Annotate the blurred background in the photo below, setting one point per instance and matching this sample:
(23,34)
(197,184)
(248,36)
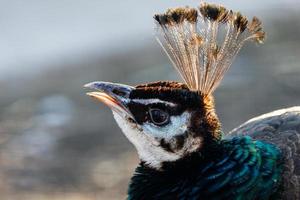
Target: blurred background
(56,143)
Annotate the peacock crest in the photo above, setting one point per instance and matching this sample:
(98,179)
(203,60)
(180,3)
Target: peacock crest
(202,43)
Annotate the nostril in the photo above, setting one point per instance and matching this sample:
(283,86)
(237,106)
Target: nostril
(119,92)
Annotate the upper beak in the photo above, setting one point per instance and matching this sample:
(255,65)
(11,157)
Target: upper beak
(115,96)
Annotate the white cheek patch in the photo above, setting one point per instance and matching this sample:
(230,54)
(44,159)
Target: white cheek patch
(177,126)
(144,138)
(147,146)
(131,130)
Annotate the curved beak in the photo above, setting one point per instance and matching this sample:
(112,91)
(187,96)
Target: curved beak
(114,95)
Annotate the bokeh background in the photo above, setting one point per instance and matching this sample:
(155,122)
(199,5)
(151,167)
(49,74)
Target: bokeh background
(56,143)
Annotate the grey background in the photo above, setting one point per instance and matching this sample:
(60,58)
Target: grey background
(56,143)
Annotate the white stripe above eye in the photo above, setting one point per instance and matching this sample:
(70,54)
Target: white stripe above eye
(150,101)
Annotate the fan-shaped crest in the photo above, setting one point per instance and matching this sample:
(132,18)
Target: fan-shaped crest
(202,44)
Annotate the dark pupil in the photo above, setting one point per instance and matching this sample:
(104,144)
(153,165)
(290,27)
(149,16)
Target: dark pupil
(159,117)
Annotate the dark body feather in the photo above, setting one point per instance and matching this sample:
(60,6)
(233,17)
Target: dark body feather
(281,128)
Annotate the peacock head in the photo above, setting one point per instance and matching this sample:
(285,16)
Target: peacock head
(165,121)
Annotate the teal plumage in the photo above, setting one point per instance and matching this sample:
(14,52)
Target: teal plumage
(247,169)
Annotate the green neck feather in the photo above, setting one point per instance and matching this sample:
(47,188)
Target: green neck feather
(246,169)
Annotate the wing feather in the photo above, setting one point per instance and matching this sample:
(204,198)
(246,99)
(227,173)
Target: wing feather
(282,128)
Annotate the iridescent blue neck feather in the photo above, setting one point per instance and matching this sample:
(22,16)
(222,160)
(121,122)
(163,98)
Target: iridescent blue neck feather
(241,169)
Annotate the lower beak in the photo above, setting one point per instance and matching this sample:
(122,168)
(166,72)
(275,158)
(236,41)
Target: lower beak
(115,96)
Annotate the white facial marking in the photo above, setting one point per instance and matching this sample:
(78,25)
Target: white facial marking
(146,139)
(147,146)
(150,101)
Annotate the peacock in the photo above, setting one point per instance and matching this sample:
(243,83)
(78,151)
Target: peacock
(184,154)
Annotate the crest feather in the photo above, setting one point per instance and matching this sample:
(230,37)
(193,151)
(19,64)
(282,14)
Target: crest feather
(203,43)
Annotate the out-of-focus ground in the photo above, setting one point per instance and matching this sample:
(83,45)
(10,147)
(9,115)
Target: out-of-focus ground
(56,143)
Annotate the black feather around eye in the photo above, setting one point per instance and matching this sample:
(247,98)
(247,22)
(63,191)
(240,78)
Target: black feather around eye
(159,117)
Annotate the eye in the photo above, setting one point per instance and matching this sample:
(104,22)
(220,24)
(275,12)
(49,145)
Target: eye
(159,117)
